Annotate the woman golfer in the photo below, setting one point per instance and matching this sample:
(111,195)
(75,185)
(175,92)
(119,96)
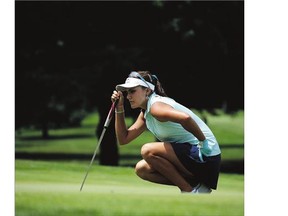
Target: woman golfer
(187,154)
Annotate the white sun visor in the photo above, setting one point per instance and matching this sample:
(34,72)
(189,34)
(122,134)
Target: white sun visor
(133,82)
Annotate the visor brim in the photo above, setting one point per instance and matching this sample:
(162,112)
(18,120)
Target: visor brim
(126,86)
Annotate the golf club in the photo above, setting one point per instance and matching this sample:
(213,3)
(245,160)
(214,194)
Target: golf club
(106,124)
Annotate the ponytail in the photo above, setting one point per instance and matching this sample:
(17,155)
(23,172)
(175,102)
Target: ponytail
(155,81)
(158,87)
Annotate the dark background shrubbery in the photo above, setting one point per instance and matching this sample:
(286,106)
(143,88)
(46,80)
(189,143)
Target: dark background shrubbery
(69,55)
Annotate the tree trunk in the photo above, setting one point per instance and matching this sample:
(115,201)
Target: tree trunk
(108,148)
(45,134)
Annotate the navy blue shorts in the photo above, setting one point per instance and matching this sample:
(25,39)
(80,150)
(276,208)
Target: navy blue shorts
(206,169)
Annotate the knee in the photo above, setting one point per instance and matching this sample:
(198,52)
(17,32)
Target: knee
(141,169)
(147,151)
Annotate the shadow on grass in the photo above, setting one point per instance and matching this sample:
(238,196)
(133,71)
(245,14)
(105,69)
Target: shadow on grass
(54,137)
(227,166)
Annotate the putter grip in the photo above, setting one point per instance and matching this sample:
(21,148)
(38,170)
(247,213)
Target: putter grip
(110,114)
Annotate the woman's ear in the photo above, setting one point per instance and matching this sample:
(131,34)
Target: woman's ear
(149,91)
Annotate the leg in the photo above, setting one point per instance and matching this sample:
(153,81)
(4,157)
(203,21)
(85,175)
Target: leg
(161,157)
(146,172)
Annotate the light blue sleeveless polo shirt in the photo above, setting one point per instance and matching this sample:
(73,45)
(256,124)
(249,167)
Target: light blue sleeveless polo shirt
(174,132)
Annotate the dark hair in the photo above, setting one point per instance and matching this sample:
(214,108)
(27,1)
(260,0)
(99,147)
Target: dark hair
(154,80)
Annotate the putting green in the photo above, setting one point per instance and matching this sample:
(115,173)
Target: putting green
(52,188)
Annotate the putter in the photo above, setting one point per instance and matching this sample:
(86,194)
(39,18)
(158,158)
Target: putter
(106,124)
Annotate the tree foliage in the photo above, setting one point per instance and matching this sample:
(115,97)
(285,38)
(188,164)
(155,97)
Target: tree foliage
(70,54)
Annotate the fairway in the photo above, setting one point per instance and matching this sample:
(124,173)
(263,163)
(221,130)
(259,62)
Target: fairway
(53,188)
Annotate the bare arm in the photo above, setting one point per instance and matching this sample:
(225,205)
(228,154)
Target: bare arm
(164,112)
(125,135)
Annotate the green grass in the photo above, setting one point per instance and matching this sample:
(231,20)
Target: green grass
(52,188)
(229,129)
(31,141)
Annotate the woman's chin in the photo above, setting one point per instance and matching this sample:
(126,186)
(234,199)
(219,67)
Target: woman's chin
(133,106)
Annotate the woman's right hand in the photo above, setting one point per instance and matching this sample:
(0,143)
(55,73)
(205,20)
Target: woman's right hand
(118,96)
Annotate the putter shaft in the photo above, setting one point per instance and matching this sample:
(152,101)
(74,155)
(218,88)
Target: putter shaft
(99,142)
(106,124)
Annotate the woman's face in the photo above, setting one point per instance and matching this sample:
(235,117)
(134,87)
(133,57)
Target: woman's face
(137,97)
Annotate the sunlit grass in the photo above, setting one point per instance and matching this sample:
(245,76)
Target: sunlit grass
(52,188)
